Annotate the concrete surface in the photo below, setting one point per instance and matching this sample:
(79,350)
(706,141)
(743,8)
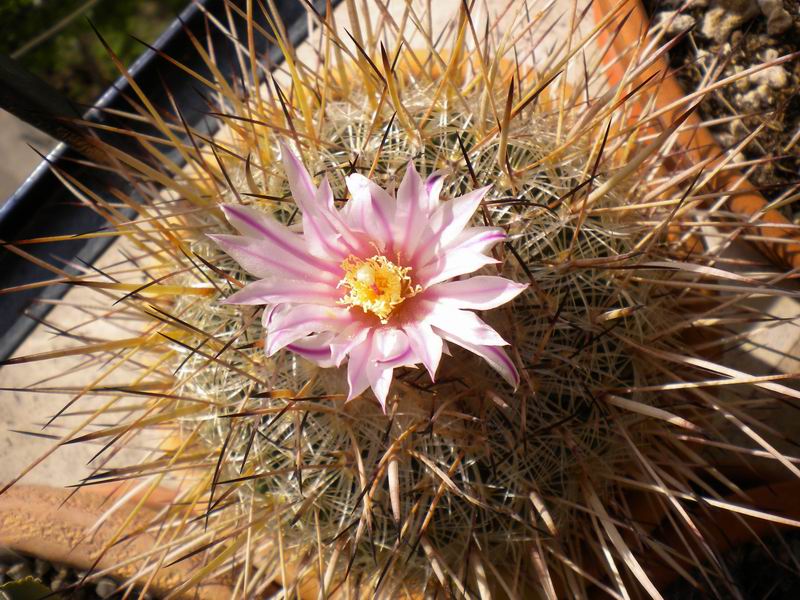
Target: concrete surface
(18,158)
(29,411)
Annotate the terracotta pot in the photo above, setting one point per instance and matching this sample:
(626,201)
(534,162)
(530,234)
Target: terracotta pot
(42,521)
(724,530)
(697,140)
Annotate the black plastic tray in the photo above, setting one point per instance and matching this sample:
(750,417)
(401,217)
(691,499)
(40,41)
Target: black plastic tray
(43,207)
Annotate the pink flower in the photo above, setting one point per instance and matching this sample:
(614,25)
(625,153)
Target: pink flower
(378,282)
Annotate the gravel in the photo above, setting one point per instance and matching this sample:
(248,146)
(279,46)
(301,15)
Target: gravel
(57,577)
(725,37)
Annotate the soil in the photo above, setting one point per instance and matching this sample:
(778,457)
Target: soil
(726,37)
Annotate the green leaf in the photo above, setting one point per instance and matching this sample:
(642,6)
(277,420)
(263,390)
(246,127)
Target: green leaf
(26,589)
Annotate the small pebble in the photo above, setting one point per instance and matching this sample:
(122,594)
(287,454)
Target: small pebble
(675,23)
(775,77)
(726,16)
(687,4)
(738,128)
(41,567)
(778,19)
(7,555)
(19,571)
(57,583)
(105,587)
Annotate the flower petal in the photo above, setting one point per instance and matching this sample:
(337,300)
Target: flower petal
(330,235)
(316,348)
(392,348)
(295,321)
(447,222)
(433,187)
(347,339)
(370,209)
(450,218)
(426,344)
(411,221)
(303,189)
(357,366)
(463,256)
(380,380)
(265,260)
(323,228)
(255,223)
(269,312)
(372,362)
(477,239)
(428,241)
(279,291)
(465,325)
(477,293)
(496,357)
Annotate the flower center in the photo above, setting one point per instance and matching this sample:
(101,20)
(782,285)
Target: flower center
(376,284)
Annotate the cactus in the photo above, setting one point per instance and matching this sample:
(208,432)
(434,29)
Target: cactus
(587,476)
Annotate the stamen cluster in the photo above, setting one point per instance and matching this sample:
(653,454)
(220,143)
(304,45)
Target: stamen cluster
(376,285)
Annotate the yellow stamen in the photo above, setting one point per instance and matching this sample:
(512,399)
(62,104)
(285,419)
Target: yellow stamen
(376,284)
